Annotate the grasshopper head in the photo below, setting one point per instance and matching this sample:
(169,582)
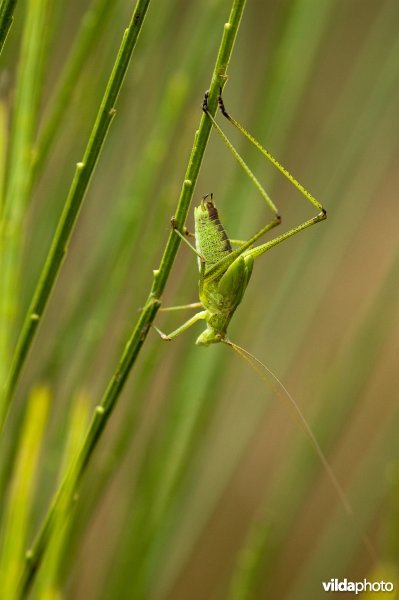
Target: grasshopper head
(208,337)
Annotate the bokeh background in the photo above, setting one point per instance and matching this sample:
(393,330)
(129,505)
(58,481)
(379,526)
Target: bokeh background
(204,485)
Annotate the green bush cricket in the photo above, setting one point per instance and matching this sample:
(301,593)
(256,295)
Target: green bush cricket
(225,274)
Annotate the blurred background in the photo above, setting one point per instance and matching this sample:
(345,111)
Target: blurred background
(204,485)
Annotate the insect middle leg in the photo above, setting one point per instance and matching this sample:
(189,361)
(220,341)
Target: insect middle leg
(181,307)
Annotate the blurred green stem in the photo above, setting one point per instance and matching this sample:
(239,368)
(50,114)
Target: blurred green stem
(132,349)
(76,195)
(19,506)
(6,19)
(87,36)
(17,182)
(3,149)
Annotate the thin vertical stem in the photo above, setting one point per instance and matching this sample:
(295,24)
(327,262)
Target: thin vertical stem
(90,30)
(17,183)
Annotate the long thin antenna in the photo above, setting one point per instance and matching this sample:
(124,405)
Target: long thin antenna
(281,391)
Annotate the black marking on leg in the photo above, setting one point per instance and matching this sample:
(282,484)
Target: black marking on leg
(205,102)
(222,106)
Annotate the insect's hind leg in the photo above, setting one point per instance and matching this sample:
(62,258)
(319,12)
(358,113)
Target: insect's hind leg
(277,218)
(258,250)
(322,212)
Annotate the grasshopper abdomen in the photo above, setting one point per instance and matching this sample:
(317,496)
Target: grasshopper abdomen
(212,241)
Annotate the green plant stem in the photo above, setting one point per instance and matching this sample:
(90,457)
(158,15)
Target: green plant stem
(132,349)
(17,178)
(47,580)
(19,506)
(87,36)
(3,150)
(6,19)
(76,195)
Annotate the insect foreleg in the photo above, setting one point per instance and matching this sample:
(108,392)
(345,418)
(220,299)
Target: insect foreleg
(197,317)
